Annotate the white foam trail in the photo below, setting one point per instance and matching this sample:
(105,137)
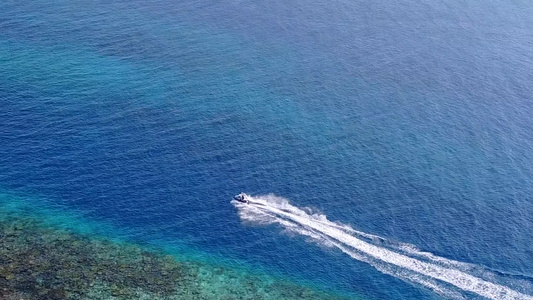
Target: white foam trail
(404,261)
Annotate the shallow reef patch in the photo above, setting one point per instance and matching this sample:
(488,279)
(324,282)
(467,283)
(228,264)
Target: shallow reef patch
(39,261)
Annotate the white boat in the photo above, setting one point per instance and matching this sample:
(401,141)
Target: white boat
(242,197)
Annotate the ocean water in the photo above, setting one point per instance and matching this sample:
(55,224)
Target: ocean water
(404,128)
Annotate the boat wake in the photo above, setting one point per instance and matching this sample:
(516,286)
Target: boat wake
(452,279)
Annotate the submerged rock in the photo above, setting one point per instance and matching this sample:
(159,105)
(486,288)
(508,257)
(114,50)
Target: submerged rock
(38,262)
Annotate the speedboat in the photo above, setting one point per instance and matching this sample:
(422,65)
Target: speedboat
(242,197)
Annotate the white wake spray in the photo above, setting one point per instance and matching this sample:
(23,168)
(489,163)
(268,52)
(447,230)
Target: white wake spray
(444,276)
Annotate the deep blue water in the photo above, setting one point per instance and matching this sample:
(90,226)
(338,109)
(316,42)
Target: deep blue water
(408,120)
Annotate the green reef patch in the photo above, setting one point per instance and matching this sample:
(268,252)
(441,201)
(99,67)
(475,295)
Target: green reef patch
(40,259)
(39,262)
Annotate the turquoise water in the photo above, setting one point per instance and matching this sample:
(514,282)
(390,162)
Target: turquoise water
(407,121)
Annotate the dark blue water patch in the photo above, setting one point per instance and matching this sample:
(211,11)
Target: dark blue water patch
(101,171)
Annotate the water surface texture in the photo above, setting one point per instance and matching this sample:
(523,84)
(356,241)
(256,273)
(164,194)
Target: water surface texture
(409,125)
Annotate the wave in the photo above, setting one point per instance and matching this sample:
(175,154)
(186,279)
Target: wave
(444,276)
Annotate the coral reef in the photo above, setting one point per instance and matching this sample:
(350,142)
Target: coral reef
(40,262)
